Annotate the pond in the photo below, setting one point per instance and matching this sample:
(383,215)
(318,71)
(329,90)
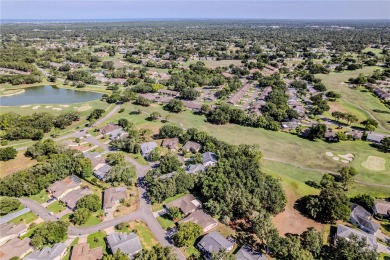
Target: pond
(49,95)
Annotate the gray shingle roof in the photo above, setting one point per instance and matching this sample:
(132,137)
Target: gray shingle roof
(209,157)
(146,148)
(246,253)
(47,253)
(214,242)
(361,216)
(346,232)
(195,168)
(127,243)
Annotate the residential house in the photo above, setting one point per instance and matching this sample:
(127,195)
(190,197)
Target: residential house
(96,159)
(171,143)
(214,242)
(60,188)
(187,204)
(362,218)
(381,208)
(346,232)
(381,93)
(247,253)
(374,137)
(202,219)
(126,243)
(168,92)
(10,231)
(330,135)
(71,199)
(15,248)
(146,148)
(112,196)
(84,252)
(56,252)
(195,168)
(209,159)
(193,105)
(290,125)
(117,134)
(107,129)
(101,170)
(239,94)
(356,135)
(191,147)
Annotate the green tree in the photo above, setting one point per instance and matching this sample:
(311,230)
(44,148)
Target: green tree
(157,253)
(91,202)
(184,182)
(118,255)
(7,153)
(169,163)
(80,216)
(317,131)
(154,116)
(115,159)
(186,234)
(49,233)
(370,124)
(328,181)
(346,176)
(8,205)
(385,144)
(364,200)
(174,213)
(175,105)
(353,249)
(312,241)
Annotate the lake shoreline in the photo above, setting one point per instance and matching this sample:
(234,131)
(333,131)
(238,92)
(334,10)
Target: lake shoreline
(13,94)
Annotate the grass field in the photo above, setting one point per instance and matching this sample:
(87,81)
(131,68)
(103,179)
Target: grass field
(157,207)
(165,222)
(55,207)
(26,218)
(40,197)
(20,163)
(97,240)
(145,235)
(359,101)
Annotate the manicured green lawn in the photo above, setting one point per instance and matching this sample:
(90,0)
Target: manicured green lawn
(383,256)
(40,197)
(27,218)
(66,217)
(190,251)
(145,235)
(98,242)
(92,220)
(357,99)
(31,231)
(55,207)
(165,222)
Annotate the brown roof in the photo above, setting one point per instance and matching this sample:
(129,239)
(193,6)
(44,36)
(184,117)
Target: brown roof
(15,247)
(192,146)
(71,198)
(186,204)
(171,143)
(12,229)
(60,187)
(83,252)
(202,219)
(109,128)
(234,99)
(382,207)
(113,195)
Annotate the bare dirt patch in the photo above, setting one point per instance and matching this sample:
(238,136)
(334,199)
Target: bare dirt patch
(130,205)
(20,163)
(374,163)
(291,220)
(83,108)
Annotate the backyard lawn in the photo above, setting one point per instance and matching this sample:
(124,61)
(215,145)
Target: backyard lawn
(55,207)
(20,163)
(40,197)
(97,240)
(26,218)
(145,235)
(165,222)
(159,206)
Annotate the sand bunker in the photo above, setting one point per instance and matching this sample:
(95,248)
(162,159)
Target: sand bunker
(83,108)
(36,107)
(64,105)
(57,108)
(374,163)
(329,154)
(26,106)
(49,106)
(335,158)
(349,157)
(344,161)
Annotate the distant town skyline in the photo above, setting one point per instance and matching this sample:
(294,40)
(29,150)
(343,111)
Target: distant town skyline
(190,9)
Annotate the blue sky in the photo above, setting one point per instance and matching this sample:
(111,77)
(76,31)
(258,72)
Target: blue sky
(252,9)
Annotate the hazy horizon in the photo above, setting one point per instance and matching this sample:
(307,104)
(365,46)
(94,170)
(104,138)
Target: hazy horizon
(190,9)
